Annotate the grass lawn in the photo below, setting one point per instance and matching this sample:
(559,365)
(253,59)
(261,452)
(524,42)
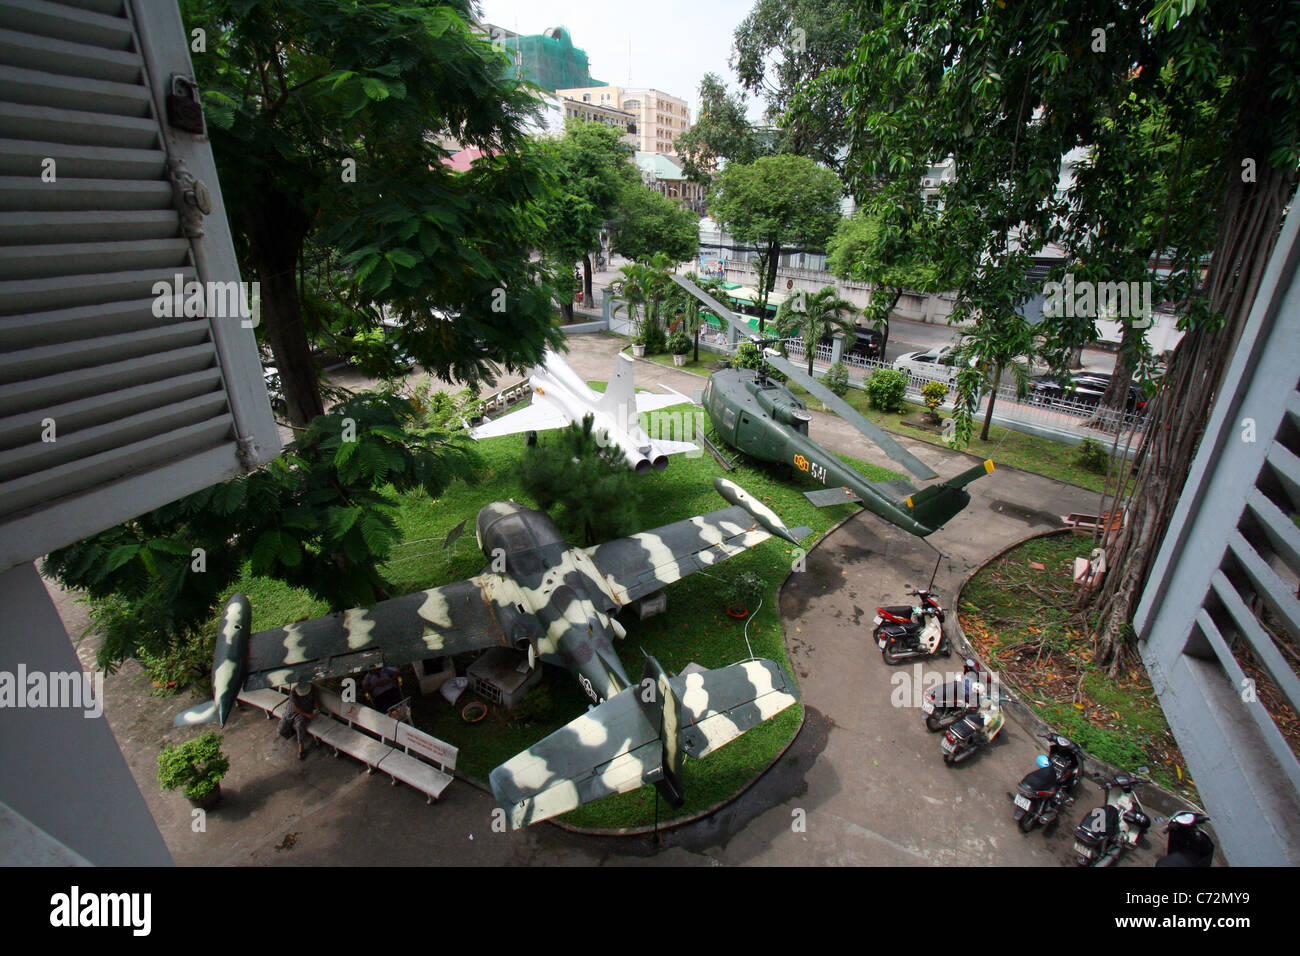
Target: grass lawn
(695,627)
(1019,620)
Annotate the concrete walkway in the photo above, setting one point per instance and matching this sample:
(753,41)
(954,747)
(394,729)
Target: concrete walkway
(863,784)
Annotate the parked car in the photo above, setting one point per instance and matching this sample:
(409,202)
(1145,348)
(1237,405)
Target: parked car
(938,363)
(867,343)
(1082,388)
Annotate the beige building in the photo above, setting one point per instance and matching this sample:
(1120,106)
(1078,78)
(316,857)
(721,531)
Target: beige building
(661,118)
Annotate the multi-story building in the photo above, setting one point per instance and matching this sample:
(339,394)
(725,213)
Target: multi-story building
(557,109)
(661,118)
(665,175)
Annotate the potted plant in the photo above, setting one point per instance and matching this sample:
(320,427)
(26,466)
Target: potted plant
(679,343)
(933,394)
(195,766)
(745,591)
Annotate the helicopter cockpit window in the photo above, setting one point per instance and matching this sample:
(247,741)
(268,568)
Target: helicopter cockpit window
(729,418)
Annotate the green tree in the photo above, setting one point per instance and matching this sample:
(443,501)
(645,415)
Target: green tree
(858,250)
(813,317)
(985,353)
(320,517)
(1007,90)
(593,169)
(780,47)
(583,482)
(325,118)
(721,132)
(772,204)
(648,223)
(694,313)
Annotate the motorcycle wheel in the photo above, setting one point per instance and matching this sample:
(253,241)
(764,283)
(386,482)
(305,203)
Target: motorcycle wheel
(1027,822)
(932,723)
(889,656)
(960,755)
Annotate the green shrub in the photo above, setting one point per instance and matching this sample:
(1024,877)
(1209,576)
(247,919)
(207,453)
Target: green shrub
(651,336)
(679,343)
(195,766)
(1093,456)
(933,394)
(745,591)
(837,379)
(886,388)
(748,356)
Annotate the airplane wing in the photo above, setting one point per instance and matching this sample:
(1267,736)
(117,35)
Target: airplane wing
(536,417)
(433,623)
(643,563)
(616,747)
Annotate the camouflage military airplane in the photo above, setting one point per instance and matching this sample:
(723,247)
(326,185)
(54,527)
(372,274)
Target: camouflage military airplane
(556,603)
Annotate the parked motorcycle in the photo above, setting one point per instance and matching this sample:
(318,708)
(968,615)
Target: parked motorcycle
(944,706)
(973,731)
(1188,844)
(1043,793)
(1117,825)
(903,632)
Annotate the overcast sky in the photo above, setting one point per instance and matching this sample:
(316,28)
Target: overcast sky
(673,42)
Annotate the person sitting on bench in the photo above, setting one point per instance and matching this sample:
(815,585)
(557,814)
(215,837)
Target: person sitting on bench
(304,702)
(384,688)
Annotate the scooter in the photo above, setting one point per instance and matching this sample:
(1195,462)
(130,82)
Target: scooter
(1188,844)
(973,731)
(1117,825)
(944,706)
(903,632)
(1043,793)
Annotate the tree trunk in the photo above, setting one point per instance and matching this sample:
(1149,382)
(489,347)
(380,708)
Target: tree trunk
(566,311)
(993,394)
(1250,215)
(276,231)
(769,281)
(1115,397)
(586,279)
(697,344)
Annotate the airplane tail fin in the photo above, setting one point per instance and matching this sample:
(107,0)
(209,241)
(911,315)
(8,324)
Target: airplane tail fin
(621,390)
(938,504)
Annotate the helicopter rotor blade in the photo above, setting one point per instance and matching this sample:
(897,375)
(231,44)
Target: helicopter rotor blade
(889,446)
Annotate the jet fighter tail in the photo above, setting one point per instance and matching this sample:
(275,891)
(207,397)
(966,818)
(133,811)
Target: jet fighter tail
(620,393)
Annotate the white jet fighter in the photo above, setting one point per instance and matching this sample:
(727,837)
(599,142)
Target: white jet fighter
(561,397)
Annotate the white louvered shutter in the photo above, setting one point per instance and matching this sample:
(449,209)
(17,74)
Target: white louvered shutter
(142,409)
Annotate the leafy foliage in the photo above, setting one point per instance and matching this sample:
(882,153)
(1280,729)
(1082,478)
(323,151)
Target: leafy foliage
(1093,456)
(814,317)
(745,590)
(583,482)
(886,388)
(721,132)
(319,517)
(933,394)
(322,115)
(647,224)
(773,203)
(679,343)
(195,766)
(837,379)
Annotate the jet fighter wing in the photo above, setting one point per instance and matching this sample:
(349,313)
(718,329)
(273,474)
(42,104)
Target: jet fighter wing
(643,563)
(434,623)
(615,747)
(537,417)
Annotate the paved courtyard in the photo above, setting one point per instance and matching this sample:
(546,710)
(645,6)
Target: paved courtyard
(863,783)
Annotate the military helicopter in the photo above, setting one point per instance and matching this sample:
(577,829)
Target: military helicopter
(762,419)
